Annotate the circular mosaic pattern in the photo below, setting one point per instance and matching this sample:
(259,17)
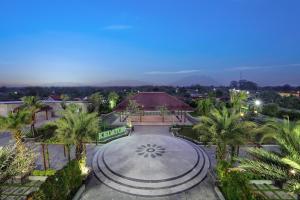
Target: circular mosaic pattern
(150,165)
(150,150)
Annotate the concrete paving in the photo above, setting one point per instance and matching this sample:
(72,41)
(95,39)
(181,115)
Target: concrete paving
(150,165)
(98,191)
(152,130)
(5,139)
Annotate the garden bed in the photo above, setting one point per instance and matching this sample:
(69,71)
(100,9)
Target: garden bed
(188,132)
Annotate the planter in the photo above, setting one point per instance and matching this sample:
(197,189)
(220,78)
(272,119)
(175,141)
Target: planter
(20,179)
(79,193)
(174,130)
(259,182)
(27,139)
(219,193)
(38,178)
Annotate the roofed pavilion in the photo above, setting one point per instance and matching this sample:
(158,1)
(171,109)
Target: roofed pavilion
(153,107)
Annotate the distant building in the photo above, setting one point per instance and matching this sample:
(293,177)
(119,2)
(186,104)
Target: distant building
(287,94)
(53,98)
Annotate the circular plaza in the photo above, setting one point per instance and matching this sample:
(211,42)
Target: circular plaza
(149,166)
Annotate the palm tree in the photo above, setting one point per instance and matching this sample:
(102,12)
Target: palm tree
(75,126)
(204,106)
(96,102)
(113,98)
(283,166)
(33,105)
(238,99)
(224,127)
(133,108)
(15,123)
(63,103)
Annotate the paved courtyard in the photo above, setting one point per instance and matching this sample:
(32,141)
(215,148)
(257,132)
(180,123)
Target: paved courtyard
(150,164)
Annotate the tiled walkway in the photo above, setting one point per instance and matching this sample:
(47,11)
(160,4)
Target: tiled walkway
(272,192)
(18,191)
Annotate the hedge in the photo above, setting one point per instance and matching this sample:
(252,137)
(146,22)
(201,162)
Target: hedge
(48,172)
(62,185)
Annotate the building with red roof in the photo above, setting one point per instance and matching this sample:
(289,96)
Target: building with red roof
(154,107)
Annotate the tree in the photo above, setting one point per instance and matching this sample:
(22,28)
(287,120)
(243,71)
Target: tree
(133,107)
(283,166)
(238,99)
(269,97)
(271,110)
(96,103)
(33,105)
(15,123)
(14,163)
(113,99)
(75,126)
(204,106)
(63,103)
(163,110)
(224,127)
(247,85)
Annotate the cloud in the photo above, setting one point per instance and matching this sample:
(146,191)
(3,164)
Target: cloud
(243,68)
(117,27)
(173,72)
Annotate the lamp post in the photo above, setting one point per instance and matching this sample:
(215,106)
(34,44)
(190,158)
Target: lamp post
(257,105)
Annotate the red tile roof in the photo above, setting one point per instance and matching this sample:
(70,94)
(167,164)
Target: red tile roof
(150,101)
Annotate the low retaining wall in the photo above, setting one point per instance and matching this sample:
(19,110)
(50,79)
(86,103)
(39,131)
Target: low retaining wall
(192,119)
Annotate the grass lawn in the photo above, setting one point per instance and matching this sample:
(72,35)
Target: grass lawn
(188,131)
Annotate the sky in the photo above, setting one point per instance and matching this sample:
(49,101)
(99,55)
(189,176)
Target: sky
(153,41)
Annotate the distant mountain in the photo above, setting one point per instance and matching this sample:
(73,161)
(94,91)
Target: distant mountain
(196,80)
(64,84)
(130,83)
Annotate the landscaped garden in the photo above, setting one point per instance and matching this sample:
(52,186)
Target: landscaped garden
(228,127)
(73,128)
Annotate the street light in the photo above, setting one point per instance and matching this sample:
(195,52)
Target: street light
(257,102)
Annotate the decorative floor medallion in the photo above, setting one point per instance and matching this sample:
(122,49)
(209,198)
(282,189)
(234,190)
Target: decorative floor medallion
(150,150)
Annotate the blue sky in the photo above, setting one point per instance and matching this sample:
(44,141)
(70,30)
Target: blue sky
(89,42)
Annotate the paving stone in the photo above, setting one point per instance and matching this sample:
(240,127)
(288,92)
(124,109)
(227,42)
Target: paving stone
(9,190)
(20,190)
(271,195)
(11,198)
(285,195)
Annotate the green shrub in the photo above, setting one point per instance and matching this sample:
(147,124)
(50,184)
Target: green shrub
(234,184)
(293,115)
(47,131)
(62,185)
(48,172)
